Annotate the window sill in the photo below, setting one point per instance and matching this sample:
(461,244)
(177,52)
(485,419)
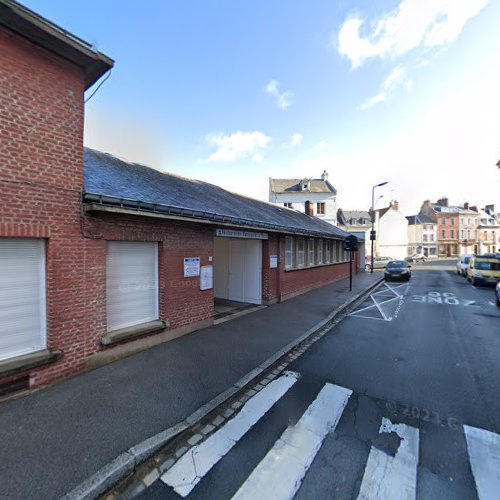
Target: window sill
(28,361)
(315,265)
(130,332)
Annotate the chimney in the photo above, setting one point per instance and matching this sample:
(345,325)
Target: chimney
(309,208)
(443,202)
(466,206)
(394,205)
(324,175)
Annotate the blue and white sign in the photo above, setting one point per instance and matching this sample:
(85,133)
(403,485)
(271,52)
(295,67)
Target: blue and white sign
(191,267)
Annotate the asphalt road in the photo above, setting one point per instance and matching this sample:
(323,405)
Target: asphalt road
(423,419)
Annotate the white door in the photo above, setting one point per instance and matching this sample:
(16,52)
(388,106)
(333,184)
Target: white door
(131,283)
(245,271)
(22,296)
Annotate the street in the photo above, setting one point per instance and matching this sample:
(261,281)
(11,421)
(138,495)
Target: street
(399,400)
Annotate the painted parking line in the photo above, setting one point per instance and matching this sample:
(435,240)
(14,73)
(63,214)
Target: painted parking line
(484,454)
(386,303)
(280,474)
(392,477)
(190,469)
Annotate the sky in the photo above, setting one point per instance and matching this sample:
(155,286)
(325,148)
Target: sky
(234,92)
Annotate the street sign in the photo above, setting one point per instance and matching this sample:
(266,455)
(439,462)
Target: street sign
(351,243)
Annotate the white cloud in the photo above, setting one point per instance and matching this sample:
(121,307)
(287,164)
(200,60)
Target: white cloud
(321,146)
(283,99)
(397,77)
(295,140)
(458,134)
(257,158)
(414,24)
(231,147)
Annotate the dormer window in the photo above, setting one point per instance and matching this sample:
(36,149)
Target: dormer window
(304,185)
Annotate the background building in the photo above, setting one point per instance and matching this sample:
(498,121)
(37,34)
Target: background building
(422,235)
(392,232)
(315,196)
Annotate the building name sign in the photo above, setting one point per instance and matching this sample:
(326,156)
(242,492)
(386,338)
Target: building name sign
(233,233)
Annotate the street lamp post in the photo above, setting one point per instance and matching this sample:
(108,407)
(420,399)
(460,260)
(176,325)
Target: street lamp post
(372,234)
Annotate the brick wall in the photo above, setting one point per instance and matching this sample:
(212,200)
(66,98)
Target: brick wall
(278,283)
(181,300)
(41,140)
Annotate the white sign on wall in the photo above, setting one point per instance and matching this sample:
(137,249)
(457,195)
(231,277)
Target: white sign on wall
(206,278)
(191,267)
(273,261)
(234,233)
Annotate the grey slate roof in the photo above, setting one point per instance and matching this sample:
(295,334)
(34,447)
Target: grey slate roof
(293,185)
(419,219)
(356,214)
(117,180)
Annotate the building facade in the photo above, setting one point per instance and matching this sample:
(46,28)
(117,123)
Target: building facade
(316,196)
(391,232)
(99,257)
(488,230)
(422,236)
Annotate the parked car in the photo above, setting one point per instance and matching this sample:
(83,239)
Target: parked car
(497,293)
(463,264)
(378,262)
(418,257)
(483,270)
(397,270)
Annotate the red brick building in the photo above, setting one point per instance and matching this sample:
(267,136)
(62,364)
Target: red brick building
(100,257)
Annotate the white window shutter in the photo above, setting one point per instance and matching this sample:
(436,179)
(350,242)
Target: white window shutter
(22,297)
(131,283)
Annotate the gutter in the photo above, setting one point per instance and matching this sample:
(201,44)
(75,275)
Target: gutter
(170,211)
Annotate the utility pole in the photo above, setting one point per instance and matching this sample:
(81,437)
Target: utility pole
(372,232)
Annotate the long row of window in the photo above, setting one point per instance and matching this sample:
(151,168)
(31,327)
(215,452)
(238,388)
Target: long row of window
(307,252)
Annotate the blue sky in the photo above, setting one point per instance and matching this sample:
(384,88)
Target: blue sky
(235,92)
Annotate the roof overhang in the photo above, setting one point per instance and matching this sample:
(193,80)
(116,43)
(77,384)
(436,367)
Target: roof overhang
(43,33)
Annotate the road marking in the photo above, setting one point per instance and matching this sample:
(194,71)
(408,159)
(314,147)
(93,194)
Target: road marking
(484,454)
(280,473)
(380,309)
(395,295)
(492,303)
(190,469)
(392,478)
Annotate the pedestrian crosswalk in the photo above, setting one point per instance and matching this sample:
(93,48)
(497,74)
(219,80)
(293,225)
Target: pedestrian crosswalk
(393,463)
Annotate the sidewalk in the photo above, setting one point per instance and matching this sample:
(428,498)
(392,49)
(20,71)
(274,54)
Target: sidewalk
(54,439)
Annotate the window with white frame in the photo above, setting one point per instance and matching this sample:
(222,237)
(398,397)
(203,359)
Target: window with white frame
(320,251)
(288,252)
(300,252)
(310,251)
(334,252)
(327,251)
(131,283)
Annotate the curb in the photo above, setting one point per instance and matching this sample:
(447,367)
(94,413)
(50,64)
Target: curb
(124,464)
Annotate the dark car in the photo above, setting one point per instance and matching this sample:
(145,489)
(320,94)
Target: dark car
(397,270)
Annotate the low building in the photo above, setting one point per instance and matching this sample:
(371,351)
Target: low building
(100,257)
(422,235)
(317,197)
(391,228)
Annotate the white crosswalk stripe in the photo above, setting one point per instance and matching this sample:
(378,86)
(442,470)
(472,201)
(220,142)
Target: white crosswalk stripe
(484,454)
(195,464)
(388,475)
(392,478)
(291,456)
